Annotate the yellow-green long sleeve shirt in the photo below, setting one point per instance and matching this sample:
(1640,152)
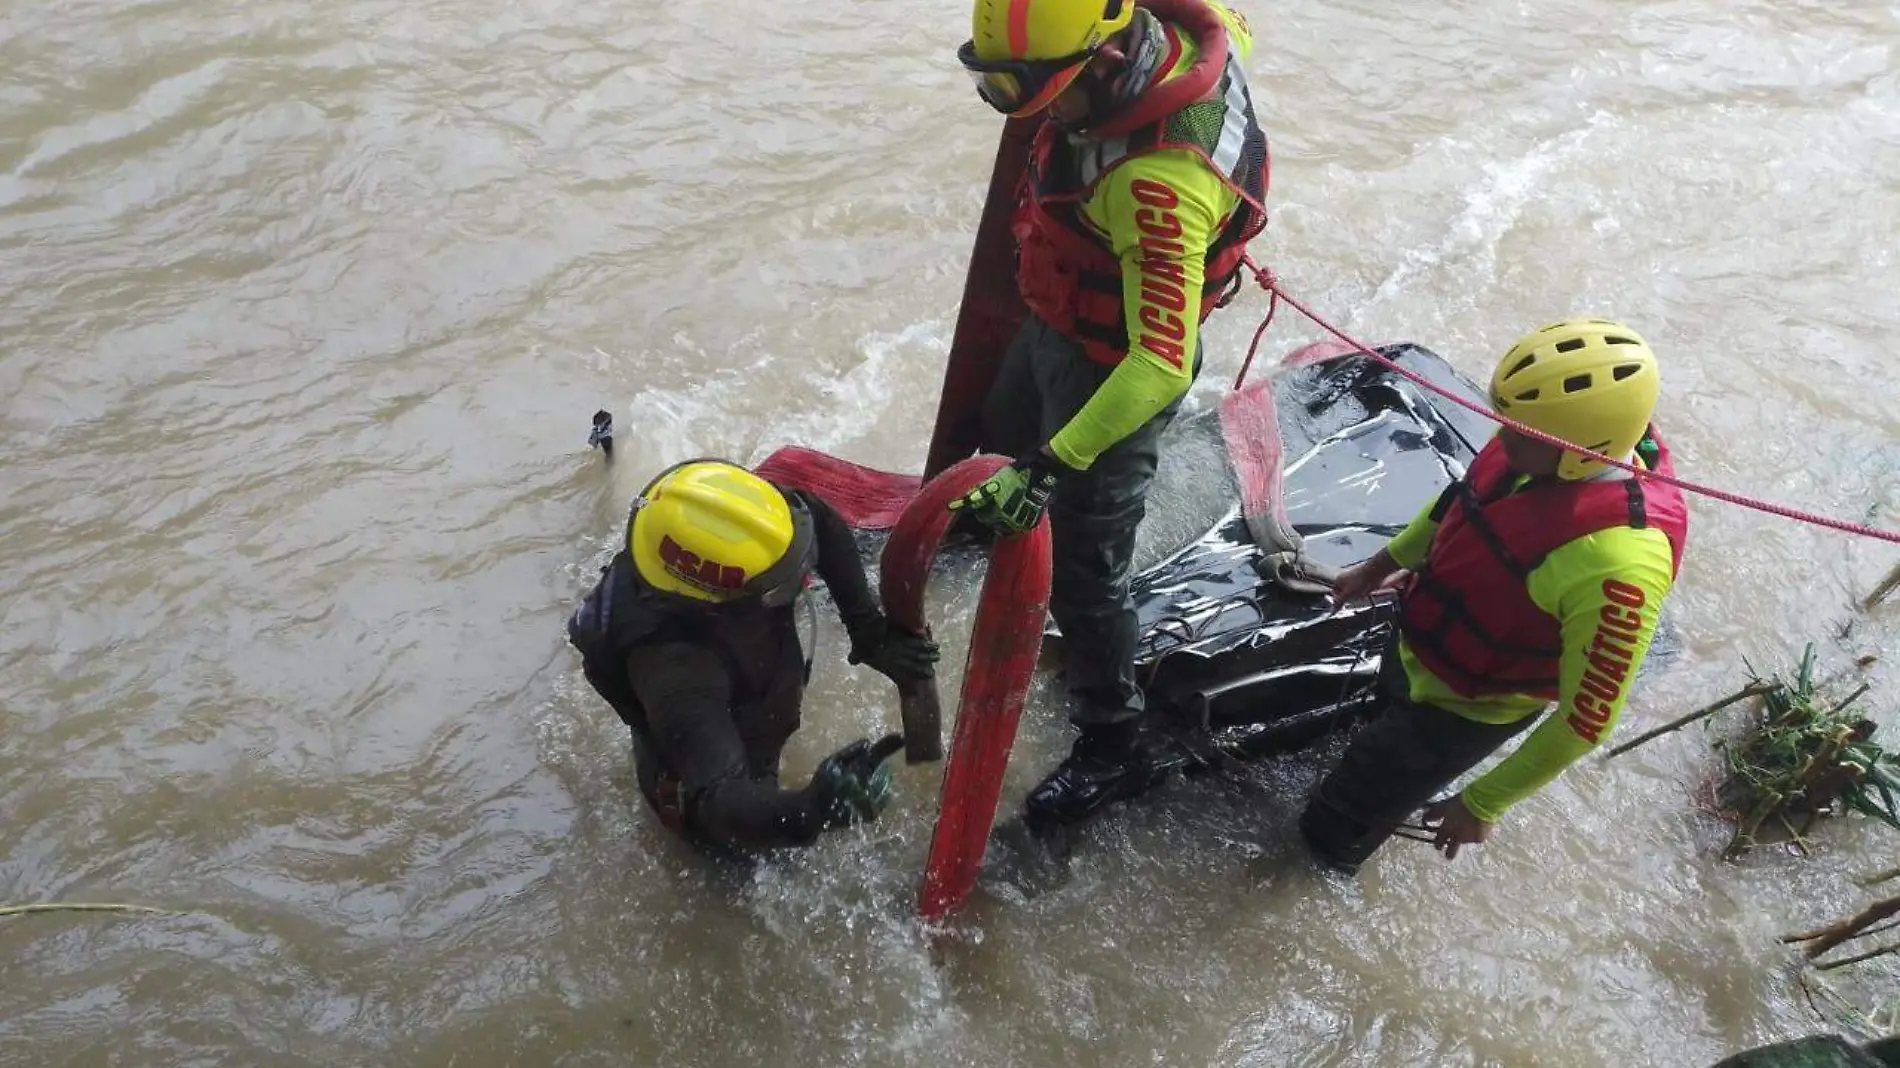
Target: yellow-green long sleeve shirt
(1159,213)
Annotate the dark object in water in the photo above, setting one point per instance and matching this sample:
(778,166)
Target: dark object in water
(1240,666)
(1818,1051)
(603,433)
(1242,661)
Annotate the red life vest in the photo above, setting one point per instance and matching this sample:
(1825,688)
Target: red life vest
(1067,273)
(1467,613)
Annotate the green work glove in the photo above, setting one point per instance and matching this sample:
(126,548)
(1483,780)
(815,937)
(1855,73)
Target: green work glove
(1011,500)
(892,651)
(853,785)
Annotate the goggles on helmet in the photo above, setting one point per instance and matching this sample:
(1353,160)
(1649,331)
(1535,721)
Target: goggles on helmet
(780,584)
(1021,87)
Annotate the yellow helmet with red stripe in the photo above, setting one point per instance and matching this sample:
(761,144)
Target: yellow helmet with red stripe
(1024,53)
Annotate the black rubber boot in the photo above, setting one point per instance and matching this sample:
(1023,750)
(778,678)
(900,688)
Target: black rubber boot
(1106,764)
(1336,840)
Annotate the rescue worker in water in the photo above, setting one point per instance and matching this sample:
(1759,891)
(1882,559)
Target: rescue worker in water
(1144,185)
(690,635)
(1536,578)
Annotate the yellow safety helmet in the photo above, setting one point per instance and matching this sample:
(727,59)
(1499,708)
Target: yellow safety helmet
(1590,382)
(1024,53)
(713,531)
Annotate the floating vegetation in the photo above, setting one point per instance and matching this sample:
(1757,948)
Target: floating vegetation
(1801,755)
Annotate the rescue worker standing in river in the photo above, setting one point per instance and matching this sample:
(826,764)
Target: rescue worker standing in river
(1144,185)
(690,635)
(1536,578)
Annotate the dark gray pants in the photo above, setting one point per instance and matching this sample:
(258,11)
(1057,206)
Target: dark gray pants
(1044,380)
(1393,766)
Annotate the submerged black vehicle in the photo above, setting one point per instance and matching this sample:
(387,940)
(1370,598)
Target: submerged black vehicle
(1243,657)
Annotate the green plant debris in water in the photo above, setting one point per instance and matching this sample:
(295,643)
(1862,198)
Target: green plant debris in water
(1801,757)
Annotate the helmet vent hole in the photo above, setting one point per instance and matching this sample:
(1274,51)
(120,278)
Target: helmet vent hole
(1576,383)
(1520,365)
(1570,344)
(1527,395)
(1612,339)
(1112,10)
(1625,371)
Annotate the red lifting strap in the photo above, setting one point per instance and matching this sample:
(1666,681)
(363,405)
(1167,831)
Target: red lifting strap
(864,497)
(1004,645)
(1003,651)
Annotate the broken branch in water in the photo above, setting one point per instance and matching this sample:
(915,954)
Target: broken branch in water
(1863,923)
(1887,586)
(1878,877)
(1757,688)
(1828,966)
(79,906)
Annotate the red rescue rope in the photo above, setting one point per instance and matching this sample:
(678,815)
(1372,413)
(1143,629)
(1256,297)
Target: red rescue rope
(1272,285)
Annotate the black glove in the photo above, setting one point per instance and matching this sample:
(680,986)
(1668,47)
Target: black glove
(890,650)
(853,785)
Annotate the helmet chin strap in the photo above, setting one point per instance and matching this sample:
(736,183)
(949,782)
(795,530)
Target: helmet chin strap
(1121,71)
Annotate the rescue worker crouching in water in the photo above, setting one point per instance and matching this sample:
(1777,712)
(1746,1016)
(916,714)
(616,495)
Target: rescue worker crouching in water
(690,635)
(1536,578)
(1142,190)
